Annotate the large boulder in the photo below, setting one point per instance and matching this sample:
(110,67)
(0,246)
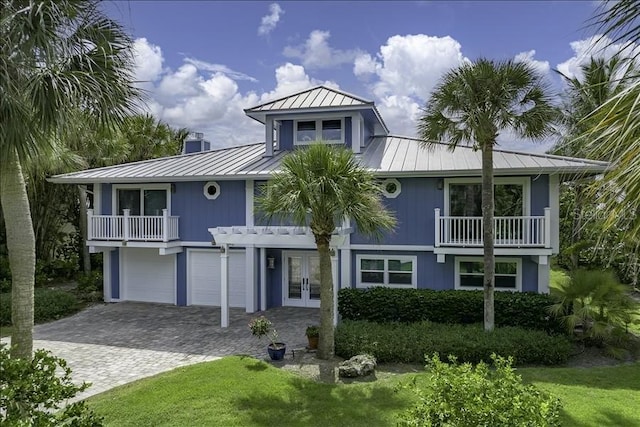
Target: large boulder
(358,366)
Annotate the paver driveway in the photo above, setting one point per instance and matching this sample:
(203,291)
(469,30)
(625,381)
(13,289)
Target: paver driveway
(112,344)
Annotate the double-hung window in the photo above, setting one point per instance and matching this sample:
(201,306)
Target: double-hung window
(392,271)
(328,130)
(470,273)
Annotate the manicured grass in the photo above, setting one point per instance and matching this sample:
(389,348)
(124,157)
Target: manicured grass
(237,391)
(608,396)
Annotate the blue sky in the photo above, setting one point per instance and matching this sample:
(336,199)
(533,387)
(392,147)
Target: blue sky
(203,62)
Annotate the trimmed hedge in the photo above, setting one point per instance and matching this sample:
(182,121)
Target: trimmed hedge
(378,304)
(49,304)
(409,343)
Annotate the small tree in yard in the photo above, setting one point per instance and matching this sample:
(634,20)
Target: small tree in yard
(319,187)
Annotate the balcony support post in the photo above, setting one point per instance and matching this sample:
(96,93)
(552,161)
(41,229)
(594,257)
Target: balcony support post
(437,229)
(165,225)
(547,227)
(125,225)
(89,224)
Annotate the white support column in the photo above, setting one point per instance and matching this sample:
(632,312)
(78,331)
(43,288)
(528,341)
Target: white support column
(165,225)
(106,276)
(248,197)
(547,227)
(334,273)
(97,198)
(263,279)
(268,137)
(345,268)
(543,278)
(554,205)
(437,228)
(251,294)
(355,132)
(224,286)
(89,224)
(125,224)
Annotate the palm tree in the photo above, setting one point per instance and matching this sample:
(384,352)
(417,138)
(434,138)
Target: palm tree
(615,131)
(471,105)
(56,56)
(319,187)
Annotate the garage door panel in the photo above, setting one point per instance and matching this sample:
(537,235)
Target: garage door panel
(204,278)
(148,276)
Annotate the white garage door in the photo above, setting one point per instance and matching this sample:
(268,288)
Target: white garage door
(204,277)
(147,276)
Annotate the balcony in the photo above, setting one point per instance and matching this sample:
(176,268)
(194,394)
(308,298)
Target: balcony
(125,228)
(508,232)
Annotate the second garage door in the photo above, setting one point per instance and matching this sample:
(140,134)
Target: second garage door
(203,278)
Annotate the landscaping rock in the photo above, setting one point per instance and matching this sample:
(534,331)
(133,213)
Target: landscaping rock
(358,366)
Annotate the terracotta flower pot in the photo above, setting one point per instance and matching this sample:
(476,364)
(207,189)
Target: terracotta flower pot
(313,343)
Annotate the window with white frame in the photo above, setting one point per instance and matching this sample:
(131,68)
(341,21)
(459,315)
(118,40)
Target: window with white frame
(470,273)
(393,271)
(329,130)
(147,201)
(464,196)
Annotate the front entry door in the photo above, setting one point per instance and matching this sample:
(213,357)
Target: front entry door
(301,279)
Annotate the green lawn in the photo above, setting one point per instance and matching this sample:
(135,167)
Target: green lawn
(238,391)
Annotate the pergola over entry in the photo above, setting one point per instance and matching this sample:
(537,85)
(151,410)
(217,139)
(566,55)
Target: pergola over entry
(264,237)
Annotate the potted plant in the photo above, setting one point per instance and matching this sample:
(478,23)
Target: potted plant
(260,327)
(313,334)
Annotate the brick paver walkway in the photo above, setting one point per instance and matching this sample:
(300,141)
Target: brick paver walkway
(112,344)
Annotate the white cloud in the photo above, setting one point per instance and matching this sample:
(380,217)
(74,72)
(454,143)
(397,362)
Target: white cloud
(316,52)
(596,46)
(403,74)
(219,68)
(148,61)
(541,67)
(269,22)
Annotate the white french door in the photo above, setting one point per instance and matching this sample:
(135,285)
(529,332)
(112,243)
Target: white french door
(301,279)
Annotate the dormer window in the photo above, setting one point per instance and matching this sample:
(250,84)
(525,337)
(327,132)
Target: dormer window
(329,130)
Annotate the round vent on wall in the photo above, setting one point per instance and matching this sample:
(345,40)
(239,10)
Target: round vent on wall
(391,188)
(211,190)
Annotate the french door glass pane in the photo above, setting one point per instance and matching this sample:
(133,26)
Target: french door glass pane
(154,202)
(466,200)
(295,277)
(129,199)
(314,278)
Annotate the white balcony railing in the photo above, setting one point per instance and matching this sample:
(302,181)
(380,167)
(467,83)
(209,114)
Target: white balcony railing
(508,231)
(135,228)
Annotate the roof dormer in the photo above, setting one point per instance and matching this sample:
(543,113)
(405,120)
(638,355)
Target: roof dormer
(319,113)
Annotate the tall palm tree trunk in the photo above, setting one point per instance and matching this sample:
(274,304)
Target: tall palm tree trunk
(326,340)
(86,257)
(487,232)
(22,258)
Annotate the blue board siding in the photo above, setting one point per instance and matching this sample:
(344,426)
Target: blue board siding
(414,210)
(115,273)
(274,280)
(181,278)
(106,201)
(529,275)
(198,214)
(539,194)
(286,135)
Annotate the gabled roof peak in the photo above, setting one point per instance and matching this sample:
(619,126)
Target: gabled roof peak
(321,96)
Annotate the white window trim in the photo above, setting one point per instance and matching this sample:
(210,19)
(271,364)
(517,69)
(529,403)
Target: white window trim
(391,181)
(386,258)
(460,259)
(116,187)
(206,187)
(318,130)
(525,181)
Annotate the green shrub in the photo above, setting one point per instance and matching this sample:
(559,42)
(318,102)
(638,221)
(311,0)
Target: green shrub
(594,304)
(5,286)
(90,287)
(379,304)
(467,396)
(409,342)
(34,393)
(49,304)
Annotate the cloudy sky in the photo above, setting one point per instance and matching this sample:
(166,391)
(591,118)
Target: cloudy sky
(203,62)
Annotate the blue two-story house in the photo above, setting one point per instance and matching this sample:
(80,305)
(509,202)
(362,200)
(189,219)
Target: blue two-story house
(183,230)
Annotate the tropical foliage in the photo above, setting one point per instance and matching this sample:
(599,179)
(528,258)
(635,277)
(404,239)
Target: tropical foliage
(471,105)
(320,186)
(57,57)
